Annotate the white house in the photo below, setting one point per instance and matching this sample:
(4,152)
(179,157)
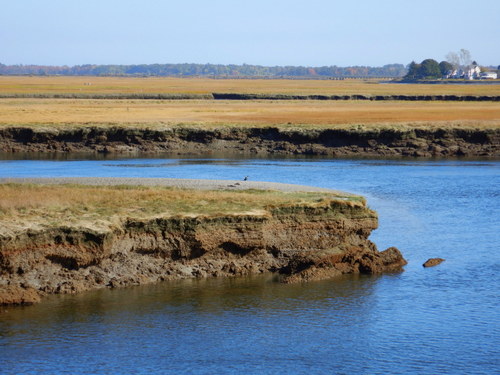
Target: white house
(472,72)
(488,75)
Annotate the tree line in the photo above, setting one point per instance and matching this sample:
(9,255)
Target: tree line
(431,69)
(209,70)
(428,69)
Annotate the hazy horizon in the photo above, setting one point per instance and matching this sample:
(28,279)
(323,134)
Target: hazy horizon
(209,63)
(278,33)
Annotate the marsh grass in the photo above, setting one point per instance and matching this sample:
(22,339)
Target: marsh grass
(209,113)
(27,205)
(197,86)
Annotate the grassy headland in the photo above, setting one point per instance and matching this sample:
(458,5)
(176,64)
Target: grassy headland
(72,238)
(24,206)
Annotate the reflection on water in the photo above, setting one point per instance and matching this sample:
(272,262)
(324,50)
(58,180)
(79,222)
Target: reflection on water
(442,320)
(206,296)
(186,323)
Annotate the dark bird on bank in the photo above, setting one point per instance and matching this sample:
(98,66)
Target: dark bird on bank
(246,178)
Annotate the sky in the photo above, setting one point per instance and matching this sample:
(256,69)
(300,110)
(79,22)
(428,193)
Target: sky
(261,32)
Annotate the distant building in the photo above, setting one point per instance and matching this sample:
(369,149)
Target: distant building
(453,74)
(488,75)
(470,72)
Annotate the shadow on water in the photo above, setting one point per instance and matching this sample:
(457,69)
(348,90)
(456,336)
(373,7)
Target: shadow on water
(216,157)
(195,297)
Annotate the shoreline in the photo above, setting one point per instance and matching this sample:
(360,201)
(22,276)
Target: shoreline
(100,241)
(256,96)
(357,141)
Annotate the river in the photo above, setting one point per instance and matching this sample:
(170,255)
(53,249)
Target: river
(441,320)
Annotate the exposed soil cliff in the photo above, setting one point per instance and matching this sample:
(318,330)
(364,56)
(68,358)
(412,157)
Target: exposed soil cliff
(256,96)
(302,242)
(417,142)
(413,98)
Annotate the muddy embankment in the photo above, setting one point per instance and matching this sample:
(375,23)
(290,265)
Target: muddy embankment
(416,142)
(412,98)
(255,96)
(299,243)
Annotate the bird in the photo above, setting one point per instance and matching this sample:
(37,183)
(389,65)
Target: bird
(246,178)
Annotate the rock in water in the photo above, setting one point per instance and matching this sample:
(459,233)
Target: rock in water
(433,262)
(14,295)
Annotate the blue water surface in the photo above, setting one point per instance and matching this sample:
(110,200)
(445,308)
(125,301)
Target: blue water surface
(441,320)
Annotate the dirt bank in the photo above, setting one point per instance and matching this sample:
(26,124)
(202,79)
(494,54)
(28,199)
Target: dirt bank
(331,142)
(303,241)
(412,98)
(255,96)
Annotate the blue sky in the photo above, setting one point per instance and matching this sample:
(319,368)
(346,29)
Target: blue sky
(264,32)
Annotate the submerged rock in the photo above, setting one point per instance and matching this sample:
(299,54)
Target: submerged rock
(433,262)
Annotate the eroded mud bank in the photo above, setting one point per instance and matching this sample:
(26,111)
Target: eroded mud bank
(299,242)
(417,142)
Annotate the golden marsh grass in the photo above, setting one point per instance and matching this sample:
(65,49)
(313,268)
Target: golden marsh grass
(169,85)
(24,205)
(151,113)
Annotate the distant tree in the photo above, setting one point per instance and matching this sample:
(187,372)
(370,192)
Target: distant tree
(453,59)
(245,70)
(413,71)
(465,57)
(461,59)
(429,68)
(445,67)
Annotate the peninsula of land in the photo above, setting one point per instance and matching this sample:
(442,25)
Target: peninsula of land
(76,234)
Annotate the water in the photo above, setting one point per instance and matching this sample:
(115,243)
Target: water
(442,320)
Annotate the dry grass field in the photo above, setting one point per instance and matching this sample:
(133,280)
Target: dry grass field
(169,85)
(25,205)
(126,112)
(151,113)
